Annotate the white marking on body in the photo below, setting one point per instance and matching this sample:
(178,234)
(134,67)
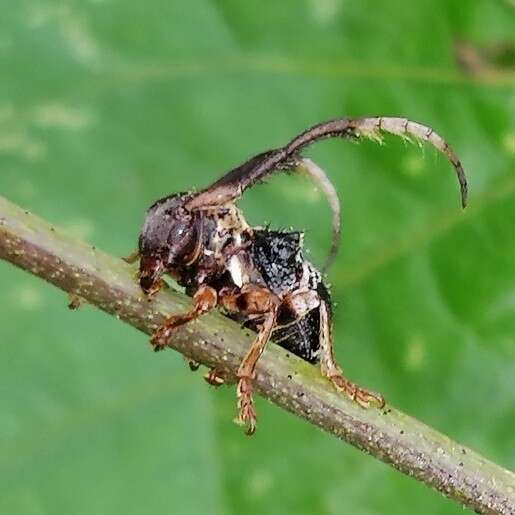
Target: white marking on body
(310,276)
(304,301)
(236,270)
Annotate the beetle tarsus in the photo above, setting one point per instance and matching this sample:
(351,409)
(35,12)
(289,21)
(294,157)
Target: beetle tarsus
(359,395)
(75,301)
(192,364)
(214,377)
(246,410)
(160,338)
(132,257)
(330,368)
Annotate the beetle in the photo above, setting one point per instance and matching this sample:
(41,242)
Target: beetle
(257,275)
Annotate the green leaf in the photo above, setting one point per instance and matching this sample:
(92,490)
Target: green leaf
(106,106)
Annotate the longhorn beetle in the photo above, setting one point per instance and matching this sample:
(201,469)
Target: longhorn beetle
(256,275)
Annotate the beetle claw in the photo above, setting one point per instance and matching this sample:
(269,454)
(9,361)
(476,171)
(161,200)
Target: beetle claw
(160,338)
(359,395)
(214,377)
(247,412)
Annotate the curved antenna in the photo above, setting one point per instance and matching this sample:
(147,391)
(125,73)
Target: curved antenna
(311,169)
(372,128)
(232,185)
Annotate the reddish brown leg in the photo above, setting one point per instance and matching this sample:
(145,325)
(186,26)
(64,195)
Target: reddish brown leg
(250,301)
(132,258)
(246,374)
(334,373)
(159,285)
(74,301)
(215,377)
(204,300)
(194,365)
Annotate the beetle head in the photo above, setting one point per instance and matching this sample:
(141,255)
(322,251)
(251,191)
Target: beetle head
(170,238)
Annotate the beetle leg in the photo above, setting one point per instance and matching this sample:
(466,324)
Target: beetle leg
(192,364)
(251,300)
(158,285)
(246,374)
(131,258)
(74,301)
(204,300)
(334,373)
(215,377)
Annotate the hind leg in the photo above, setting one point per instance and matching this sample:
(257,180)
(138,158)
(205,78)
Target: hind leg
(334,373)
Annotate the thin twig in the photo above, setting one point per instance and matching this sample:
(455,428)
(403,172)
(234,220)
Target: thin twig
(395,438)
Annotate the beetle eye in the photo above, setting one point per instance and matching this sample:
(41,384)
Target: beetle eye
(182,241)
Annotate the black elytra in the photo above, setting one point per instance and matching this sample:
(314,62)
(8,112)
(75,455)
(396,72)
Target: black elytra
(278,257)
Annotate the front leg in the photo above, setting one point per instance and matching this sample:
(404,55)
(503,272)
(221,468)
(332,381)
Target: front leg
(132,257)
(332,370)
(204,300)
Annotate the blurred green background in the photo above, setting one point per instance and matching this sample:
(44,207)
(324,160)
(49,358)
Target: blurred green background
(106,105)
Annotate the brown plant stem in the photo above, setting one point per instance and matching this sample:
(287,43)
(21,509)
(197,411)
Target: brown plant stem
(395,438)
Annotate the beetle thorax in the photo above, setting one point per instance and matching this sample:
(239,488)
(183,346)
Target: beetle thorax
(230,230)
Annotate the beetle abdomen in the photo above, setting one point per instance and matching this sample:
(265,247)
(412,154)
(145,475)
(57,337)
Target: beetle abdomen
(301,337)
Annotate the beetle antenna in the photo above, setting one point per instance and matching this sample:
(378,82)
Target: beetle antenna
(372,128)
(311,169)
(232,185)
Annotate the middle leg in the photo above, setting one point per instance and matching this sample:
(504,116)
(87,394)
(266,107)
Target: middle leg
(251,301)
(246,374)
